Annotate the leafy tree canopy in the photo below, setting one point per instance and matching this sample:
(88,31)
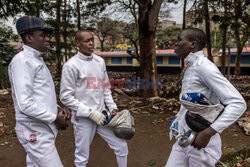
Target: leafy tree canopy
(6,53)
(166,38)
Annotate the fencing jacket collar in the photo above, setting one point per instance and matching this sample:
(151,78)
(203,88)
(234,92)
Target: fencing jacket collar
(192,57)
(32,50)
(83,57)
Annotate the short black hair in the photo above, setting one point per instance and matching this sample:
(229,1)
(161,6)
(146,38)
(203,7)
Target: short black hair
(24,34)
(198,35)
(78,36)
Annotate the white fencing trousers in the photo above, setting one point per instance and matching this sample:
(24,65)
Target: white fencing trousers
(38,141)
(192,157)
(84,130)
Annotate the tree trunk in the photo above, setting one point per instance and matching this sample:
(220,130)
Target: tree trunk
(102,45)
(148,19)
(237,9)
(65,31)
(229,58)
(207,24)
(223,57)
(148,66)
(184,15)
(224,39)
(101,38)
(135,54)
(184,26)
(78,15)
(57,36)
(239,50)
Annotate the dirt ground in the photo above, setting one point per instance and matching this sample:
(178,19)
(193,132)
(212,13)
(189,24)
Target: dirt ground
(149,145)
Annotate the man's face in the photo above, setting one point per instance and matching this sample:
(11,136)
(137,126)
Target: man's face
(39,40)
(183,45)
(86,43)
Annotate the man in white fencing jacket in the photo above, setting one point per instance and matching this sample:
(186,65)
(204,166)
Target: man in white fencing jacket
(85,91)
(204,77)
(33,92)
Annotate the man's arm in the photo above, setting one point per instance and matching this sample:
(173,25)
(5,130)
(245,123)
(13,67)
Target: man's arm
(22,74)
(67,91)
(228,95)
(234,103)
(107,94)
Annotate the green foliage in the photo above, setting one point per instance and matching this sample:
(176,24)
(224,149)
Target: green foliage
(151,162)
(167,37)
(108,32)
(4,81)
(234,160)
(89,9)
(217,38)
(6,53)
(237,159)
(37,7)
(96,6)
(6,50)
(7,33)
(9,8)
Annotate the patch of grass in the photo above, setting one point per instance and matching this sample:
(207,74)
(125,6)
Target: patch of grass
(151,162)
(231,159)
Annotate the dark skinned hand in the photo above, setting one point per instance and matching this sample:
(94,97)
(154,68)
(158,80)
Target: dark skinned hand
(62,117)
(114,112)
(66,112)
(203,138)
(60,122)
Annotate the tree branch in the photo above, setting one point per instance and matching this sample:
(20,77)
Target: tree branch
(139,3)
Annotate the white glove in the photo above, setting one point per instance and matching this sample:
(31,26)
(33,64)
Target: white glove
(97,117)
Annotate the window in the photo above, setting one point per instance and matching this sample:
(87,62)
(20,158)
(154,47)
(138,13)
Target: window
(245,59)
(232,59)
(174,60)
(159,60)
(129,60)
(116,60)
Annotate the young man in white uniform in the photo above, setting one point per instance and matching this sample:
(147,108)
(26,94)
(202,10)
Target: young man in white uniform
(83,92)
(33,92)
(203,76)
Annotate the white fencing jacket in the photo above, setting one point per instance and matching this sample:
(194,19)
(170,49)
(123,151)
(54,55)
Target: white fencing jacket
(203,76)
(33,90)
(83,85)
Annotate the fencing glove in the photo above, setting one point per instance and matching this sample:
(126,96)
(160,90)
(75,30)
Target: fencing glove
(97,117)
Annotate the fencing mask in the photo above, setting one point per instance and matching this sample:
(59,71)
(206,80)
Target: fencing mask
(123,125)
